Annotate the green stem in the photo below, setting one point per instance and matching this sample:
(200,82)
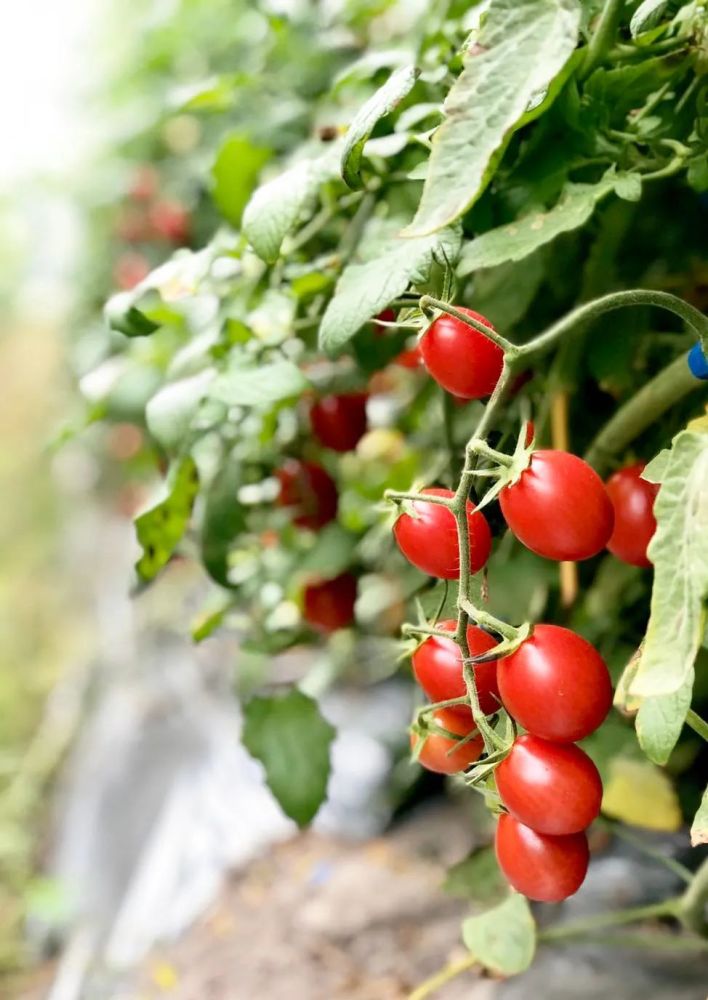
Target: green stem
(642,410)
(616,300)
(667,908)
(483,449)
(697,724)
(397,495)
(603,37)
(694,901)
(448,972)
(411,629)
(427,302)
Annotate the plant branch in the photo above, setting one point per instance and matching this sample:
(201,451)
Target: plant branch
(603,37)
(694,901)
(443,976)
(608,303)
(697,724)
(632,915)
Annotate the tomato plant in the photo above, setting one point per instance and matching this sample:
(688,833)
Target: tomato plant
(428,536)
(550,787)
(526,223)
(541,866)
(633,501)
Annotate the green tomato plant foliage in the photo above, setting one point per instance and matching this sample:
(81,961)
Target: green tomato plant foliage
(542,163)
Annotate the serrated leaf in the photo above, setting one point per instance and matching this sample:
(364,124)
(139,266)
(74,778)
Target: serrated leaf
(223,520)
(660,721)
(639,793)
(257,386)
(277,206)
(380,104)
(478,877)
(170,411)
(288,735)
(699,827)
(160,529)
(679,552)
(503,940)
(235,171)
(518,239)
(364,289)
(518,51)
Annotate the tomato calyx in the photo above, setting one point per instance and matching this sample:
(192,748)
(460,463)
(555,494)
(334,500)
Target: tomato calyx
(505,469)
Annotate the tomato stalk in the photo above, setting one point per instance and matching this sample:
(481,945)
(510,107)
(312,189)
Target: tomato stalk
(697,724)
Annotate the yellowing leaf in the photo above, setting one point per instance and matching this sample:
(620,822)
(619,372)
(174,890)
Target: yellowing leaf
(641,794)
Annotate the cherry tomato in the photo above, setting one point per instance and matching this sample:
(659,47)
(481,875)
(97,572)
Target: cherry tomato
(308,488)
(551,787)
(633,500)
(429,540)
(329,605)
(132,225)
(410,358)
(460,358)
(559,507)
(170,221)
(437,665)
(556,685)
(385,316)
(539,865)
(130,269)
(438,753)
(339,421)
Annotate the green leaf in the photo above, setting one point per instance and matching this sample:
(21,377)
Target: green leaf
(647,15)
(660,721)
(258,386)
(170,412)
(380,104)
(520,238)
(478,877)
(364,289)
(123,315)
(287,734)
(699,827)
(160,528)
(331,554)
(503,940)
(235,171)
(223,520)
(639,793)
(277,206)
(519,50)
(679,552)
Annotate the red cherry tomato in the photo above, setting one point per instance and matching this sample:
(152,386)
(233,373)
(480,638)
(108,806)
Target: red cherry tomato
(338,422)
(385,316)
(132,224)
(429,540)
(541,866)
(633,500)
(308,488)
(559,507)
(410,358)
(170,221)
(437,665)
(556,685)
(329,605)
(439,753)
(460,358)
(130,269)
(551,787)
